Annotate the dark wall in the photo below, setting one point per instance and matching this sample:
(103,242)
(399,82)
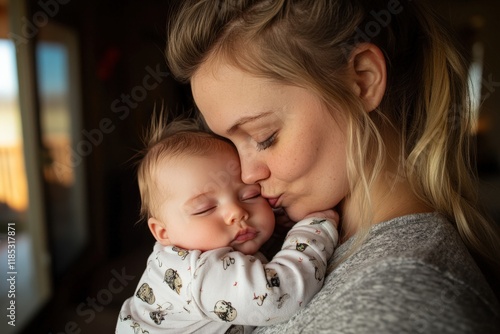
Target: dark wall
(477,21)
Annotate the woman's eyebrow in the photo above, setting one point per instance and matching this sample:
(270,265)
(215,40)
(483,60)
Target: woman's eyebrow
(247,119)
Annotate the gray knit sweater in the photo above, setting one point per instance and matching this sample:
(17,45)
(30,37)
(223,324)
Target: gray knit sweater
(412,275)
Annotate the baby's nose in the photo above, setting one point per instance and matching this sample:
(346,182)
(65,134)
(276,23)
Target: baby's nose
(236,214)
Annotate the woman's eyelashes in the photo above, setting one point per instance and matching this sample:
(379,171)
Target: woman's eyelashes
(265,144)
(250,196)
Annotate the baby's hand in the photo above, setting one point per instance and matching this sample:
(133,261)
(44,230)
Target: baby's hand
(331,215)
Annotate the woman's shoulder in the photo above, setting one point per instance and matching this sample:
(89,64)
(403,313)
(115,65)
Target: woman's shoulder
(412,273)
(427,238)
(425,246)
(418,270)
(401,294)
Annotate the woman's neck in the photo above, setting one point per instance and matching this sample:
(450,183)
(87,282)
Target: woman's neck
(391,197)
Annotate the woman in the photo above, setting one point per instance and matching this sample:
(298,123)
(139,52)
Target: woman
(362,106)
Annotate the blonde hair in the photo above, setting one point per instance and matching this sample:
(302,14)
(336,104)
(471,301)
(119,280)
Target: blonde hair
(307,43)
(180,137)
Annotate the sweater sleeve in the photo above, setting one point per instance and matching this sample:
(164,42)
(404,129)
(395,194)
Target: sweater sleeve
(240,289)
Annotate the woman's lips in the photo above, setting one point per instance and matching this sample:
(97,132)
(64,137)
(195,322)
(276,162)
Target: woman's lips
(273,201)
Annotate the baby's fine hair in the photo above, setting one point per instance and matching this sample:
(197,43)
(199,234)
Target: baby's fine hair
(163,140)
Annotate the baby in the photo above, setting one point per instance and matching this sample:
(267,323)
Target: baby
(205,272)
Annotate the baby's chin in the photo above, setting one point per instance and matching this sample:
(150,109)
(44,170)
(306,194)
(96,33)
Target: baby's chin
(248,248)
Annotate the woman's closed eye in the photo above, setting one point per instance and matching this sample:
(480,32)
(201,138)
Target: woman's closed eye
(251,193)
(265,144)
(250,197)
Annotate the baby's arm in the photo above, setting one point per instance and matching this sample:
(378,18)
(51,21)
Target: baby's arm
(232,287)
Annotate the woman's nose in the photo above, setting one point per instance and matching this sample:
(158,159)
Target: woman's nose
(252,169)
(236,214)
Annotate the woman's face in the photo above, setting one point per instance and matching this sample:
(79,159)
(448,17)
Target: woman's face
(287,140)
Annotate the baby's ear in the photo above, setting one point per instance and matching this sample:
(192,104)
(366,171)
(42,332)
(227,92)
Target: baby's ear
(159,231)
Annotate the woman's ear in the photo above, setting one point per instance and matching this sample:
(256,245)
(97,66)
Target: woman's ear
(368,69)
(159,231)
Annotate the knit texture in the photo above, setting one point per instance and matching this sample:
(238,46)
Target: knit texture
(412,275)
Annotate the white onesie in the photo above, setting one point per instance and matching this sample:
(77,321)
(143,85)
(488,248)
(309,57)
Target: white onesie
(225,291)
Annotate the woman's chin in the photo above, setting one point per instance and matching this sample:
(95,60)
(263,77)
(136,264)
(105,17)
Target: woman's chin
(294,214)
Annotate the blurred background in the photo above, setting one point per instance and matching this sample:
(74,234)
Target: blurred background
(78,82)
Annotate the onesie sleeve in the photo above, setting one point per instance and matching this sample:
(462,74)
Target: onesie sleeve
(241,289)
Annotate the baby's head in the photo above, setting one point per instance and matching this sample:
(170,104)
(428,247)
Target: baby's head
(192,194)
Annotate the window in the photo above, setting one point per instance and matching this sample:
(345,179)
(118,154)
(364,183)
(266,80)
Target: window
(42,193)
(25,287)
(60,127)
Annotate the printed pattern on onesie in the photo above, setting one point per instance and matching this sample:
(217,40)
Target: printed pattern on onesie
(226,291)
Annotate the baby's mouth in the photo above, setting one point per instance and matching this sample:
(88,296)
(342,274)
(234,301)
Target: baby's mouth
(245,235)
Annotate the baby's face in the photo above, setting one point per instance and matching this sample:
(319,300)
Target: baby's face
(208,206)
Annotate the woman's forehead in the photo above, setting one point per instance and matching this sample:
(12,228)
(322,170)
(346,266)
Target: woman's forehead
(232,95)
